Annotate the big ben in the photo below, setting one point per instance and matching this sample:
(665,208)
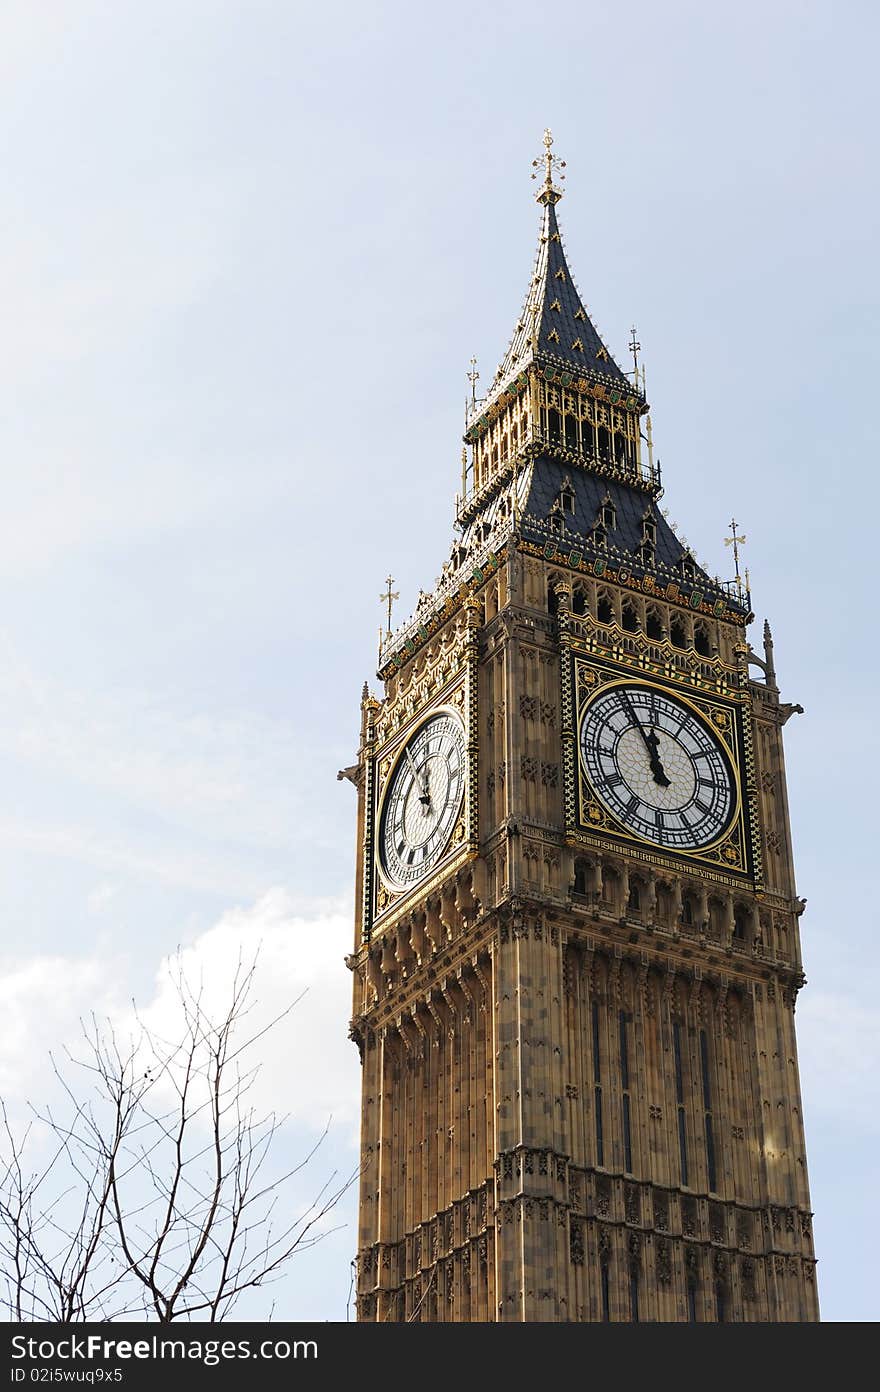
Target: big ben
(577,948)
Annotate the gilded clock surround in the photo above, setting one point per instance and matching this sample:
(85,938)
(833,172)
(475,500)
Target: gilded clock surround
(580,1091)
(731,849)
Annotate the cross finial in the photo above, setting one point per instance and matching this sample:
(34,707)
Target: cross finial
(635,348)
(473,377)
(736,542)
(388,597)
(549,193)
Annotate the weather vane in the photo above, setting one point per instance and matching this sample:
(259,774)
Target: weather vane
(736,542)
(550,162)
(388,597)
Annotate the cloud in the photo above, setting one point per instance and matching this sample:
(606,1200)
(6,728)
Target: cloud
(309,1069)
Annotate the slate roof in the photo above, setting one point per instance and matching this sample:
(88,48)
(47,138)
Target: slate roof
(540,485)
(555,310)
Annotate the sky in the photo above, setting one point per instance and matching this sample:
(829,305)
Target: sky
(246,253)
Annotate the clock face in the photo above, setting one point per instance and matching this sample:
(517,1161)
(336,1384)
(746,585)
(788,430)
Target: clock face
(422,800)
(657,767)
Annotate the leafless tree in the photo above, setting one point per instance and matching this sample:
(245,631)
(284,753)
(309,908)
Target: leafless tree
(152,1197)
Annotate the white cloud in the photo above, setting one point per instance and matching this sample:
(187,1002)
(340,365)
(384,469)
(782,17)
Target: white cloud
(309,1068)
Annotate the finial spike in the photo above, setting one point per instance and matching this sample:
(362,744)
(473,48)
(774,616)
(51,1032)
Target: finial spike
(635,348)
(736,542)
(388,597)
(549,193)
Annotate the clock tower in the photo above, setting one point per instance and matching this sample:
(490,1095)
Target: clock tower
(577,929)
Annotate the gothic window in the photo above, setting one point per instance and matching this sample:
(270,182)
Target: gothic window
(604,444)
(571,433)
(552,601)
(692,1301)
(741,923)
(634,1296)
(504,446)
(605,610)
(707,1112)
(629,619)
(600,537)
(566,496)
(687,910)
(635,897)
(679,1098)
(578,602)
(609,515)
(610,887)
(720,1303)
(677,635)
(653,624)
(664,904)
(646,554)
(716,918)
(701,640)
(556,523)
(623,1022)
(606,1301)
(553,427)
(580,877)
(649,530)
(597,1088)
(688,570)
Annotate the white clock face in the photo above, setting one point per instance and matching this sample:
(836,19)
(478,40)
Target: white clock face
(655,765)
(422,801)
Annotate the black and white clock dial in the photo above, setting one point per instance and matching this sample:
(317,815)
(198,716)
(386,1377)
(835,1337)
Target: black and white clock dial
(657,767)
(422,800)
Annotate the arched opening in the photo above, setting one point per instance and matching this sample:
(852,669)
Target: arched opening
(552,601)
(610,887)
(653,624)
(634,904)
(688,909)
(554,429)
(716,918)
(677,635)
(702,642)
(578,602)
(605,610)
(629,619)
(742,923)
(571,432)
(604,445)
(664,904)
(580,877)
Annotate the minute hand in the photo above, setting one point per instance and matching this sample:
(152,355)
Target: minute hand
(657,768)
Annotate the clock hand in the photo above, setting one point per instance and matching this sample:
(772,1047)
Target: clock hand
(651,742)
(421,779)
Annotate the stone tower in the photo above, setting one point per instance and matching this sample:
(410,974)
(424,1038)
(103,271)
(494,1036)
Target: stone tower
(577,942)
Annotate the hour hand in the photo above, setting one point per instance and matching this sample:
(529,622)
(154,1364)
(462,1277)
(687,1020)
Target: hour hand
(655,761)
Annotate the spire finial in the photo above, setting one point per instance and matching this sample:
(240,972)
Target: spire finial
(635,348)
(473,377)
(388,597)
(549,193)
(736,542)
